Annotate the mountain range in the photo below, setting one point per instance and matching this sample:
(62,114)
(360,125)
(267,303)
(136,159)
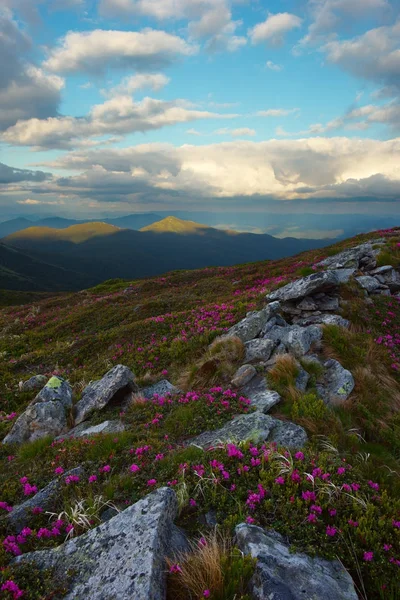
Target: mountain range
(84,254)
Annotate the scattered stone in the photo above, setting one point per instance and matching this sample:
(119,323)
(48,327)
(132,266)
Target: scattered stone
(323,320)
(259,349)
(250,327)
(370,284)
(283,575)
(288,434)
(122,558)
(254,427)
(300,339)
(262,398)
(46,498)
(350,258)
(337,383)
(161,388)
(388,276)
(56,389)
(38,421)
(302,379)
(34,383)
(115,385)
(307,304)
(344,275)
(306,286)
(85,429)
(243,375)
(329,303)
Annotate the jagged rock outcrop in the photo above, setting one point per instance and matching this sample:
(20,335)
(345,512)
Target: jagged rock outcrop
(306,286)
(337,383)
(45,416)
(282,575)
(114,386)
(45,498)
(260,396)
(358,257)
(256,428)
(259,349)
(295,339)
(387,276)
(122,558)
(249,328)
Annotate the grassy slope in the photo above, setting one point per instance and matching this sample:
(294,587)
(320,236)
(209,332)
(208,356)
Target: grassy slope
(162,326)
(75,233)
(175,225)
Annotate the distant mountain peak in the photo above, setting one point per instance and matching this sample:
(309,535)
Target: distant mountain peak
(75,233)
(173,224)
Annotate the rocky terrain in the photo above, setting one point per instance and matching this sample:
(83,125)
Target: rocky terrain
(246,449)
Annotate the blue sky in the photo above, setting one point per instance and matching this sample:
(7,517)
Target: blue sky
(133,105)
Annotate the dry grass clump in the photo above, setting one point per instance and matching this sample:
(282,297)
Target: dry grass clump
(218,364)
(282,377)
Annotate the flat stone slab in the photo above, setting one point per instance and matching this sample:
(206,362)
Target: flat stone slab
(97,395)
(349,258)
(261,397)
(306,286)
(84,429)
(368,283)
(243,375)
(323,320)
(288,434)
(259,349)
(282,575)
(122,558)
(344,275)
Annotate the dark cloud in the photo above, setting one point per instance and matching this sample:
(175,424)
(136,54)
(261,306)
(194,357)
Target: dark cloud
(13,175)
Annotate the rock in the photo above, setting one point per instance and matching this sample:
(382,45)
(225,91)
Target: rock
(259,349)
(349,258)
(38,421)
(250,327)
(243,375)
(261,397)
(288,434)
(115,385)
(46,498)
(254,427)
(300,339)
(344,275)
(302,379)
(84,429)
(337,383)
(324,320)
(306,286)
(307,304)
(282,575)
(387,276)
(56,389)
(122,558)
(328,303)
(34,383)
(161,388)
(368,283)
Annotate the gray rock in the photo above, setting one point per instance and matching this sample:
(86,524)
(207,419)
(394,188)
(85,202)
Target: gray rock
(243,375)
(282,575)
(288,434)
(38,421)
(328,303)
(368,283)
(349,258)
(161,388)
(324,320)
(388,276)
(261,397)
(116,384)
(254,427)
(300,339)
(344,275)
(250,327)
(85,429)
(46,498)
(56,389)
(122,558)
(307,304)
(302,379)
(259,349)
(34,383)
(306,286)
(337,383)
(271,323)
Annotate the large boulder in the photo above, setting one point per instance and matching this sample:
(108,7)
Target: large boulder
(352,258)
(122,558)
(337,383)
(260,396)
(38,421)
(296,339)
(56,389)
(36,382)
(259,349)
(114,386)
(344,275)
(283,575)
(387,275)
(368,283)
(45,498)
(256,428)
(249,328)
(306,286)
(328,319)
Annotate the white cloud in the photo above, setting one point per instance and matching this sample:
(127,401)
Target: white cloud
(130,85)
(193,132)
(273,66)
(277,112)
(274,28)
(239,132)
(34,202)
(118,115)
(94,51)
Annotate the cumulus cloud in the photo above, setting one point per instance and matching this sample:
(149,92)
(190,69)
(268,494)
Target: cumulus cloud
(94,51)
(277,112)
(274,28)
(273,66)
(13,175)
(131,84)
(118,115)
(25,89)
(281,169)
(239,132)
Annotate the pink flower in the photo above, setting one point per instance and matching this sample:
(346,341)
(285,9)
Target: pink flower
(332,512)
(396,524)
(36,510)
(368,556)
(341,471)
(280,481)
(250,520)
(206,593)
(58,470)
(92,478)
(29,489)
(23,480)
(11,586)
(299,456)
(331,531)
(134,468)
(192,502)
(105,469)
(71,479)
(152,482)
(175,569)
(387,547)
(202,541)
(5,506)
(374,486)
(69,528)
(312,518)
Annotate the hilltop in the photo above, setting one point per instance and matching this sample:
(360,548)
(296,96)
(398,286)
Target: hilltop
(175,225)
(75,234)
(304,352)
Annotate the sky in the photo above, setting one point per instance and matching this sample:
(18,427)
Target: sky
(122,106)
